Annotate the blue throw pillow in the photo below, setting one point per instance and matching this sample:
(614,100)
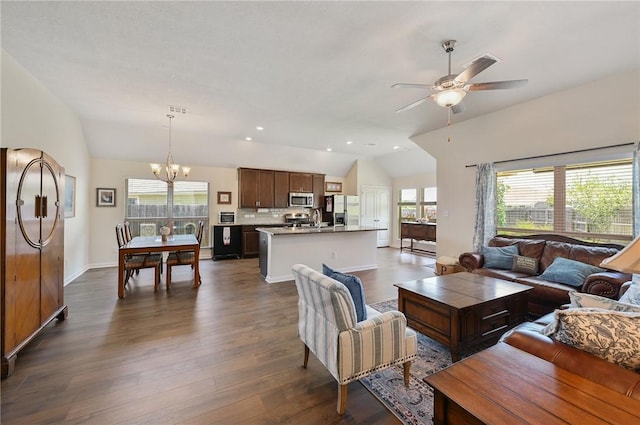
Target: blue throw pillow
(569,272)
(499,257)
(354,285)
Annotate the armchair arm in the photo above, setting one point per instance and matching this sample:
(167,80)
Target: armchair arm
(471,260)
(606,284)
(372,344)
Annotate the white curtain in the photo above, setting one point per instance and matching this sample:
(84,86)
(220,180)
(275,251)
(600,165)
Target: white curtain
(636,198)
(485,227)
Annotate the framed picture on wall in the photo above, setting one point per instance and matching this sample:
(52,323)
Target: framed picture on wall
(224,197)
(69,196)
(333,187)
(105,197)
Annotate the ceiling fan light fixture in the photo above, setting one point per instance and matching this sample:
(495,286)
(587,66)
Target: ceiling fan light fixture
(449,98)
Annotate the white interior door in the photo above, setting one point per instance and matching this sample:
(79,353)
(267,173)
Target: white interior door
(375,204)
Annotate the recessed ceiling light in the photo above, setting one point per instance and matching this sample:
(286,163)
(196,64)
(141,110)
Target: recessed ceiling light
(248,139)
(396,147)
(349,142)
(259,128)
(329,149)
(370,145)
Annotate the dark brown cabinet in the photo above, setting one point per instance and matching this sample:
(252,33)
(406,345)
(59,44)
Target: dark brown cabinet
(301,182)
(256,188)
(31,248)
(250,242)
(281,189)
(417,232)
(318,190)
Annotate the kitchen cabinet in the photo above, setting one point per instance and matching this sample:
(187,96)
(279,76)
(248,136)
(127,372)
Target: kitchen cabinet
(318,190)
(32,249)
(256,188)
(281,189)
(301,182)
(417,232)
(250,242)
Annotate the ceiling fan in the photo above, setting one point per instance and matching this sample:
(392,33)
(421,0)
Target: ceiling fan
(451,89)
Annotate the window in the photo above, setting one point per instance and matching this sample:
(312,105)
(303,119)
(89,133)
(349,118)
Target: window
(429,203)
(153,203)
(590,201)
(408,205)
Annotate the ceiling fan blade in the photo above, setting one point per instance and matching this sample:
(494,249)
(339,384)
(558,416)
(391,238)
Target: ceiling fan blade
(411,86)
(474,69)
(457,108)
(496,85)
(414,104)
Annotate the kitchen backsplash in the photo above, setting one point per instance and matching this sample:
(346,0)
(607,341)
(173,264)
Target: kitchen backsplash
(266,215)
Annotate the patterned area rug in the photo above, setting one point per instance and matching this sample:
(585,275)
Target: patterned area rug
(412,405)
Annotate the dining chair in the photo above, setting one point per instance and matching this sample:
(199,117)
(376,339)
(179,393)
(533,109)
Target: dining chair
(184,258)
(133,263)
(128,237)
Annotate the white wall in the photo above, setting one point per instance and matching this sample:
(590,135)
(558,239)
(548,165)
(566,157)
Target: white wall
(602,113)
(33,118)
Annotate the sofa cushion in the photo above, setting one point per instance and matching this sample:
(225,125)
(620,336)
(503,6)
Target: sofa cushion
(569,272)
(499,257)
(610,335)
(632,294)
(527,247)
(354,285)
(527,265)
(579,299)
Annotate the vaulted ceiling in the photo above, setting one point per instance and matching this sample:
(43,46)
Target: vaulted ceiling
(313,74)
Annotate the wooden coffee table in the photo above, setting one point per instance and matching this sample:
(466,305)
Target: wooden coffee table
(505,385)
(463,310)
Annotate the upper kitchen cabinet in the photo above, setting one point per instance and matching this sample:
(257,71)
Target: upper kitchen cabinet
(301,182)
(281,182)
(318,190)
(256,188)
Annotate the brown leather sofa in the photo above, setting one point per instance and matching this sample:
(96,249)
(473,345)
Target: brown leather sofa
(546,296)
(527,337)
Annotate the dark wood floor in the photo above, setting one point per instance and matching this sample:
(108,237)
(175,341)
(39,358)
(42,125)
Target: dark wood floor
(226,353)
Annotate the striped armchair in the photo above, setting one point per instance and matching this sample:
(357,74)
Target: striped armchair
(349,350)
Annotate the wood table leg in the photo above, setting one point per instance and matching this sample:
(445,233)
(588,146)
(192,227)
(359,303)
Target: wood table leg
(120,274)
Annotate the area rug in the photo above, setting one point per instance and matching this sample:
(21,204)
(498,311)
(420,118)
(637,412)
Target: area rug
(412,405)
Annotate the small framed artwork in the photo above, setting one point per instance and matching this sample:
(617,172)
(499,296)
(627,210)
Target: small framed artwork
(224,197)
(105,197)
(69,196)
(333,187)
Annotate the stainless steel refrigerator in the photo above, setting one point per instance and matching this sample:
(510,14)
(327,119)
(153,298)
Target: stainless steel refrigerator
(351,210)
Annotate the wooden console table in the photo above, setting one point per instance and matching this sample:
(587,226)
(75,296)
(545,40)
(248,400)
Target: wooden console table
(417,232)
(505,385)
(463,310)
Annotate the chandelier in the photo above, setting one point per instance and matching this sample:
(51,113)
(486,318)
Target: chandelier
(169,172)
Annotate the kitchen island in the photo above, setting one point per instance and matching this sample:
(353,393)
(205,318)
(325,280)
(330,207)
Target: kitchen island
(344,248)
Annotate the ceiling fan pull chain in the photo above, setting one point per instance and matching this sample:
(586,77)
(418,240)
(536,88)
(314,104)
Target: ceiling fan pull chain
(449,124)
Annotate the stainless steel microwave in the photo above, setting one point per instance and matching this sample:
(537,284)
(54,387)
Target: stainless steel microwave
(225,217)
(300,199)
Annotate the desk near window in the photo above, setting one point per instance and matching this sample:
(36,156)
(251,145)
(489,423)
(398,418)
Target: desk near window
(141,244)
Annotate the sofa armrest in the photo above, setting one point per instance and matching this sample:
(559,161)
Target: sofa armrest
(388,331)
(471,260)
(606,284)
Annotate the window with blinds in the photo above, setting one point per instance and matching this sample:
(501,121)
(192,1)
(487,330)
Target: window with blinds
(589,201)
(152,204)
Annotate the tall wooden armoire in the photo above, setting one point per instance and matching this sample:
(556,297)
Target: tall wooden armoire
(31,248)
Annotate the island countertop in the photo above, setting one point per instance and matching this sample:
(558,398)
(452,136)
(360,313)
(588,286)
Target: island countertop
(277,231)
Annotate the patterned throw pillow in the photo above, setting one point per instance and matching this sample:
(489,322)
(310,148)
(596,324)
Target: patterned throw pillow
(354,285)
(528,265)
(569,272)
(579,299)
(499,257)
(632,296)
(610,335)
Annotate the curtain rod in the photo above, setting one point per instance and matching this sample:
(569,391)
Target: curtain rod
(557,154)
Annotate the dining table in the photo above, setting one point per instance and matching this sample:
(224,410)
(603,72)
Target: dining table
(144,244)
